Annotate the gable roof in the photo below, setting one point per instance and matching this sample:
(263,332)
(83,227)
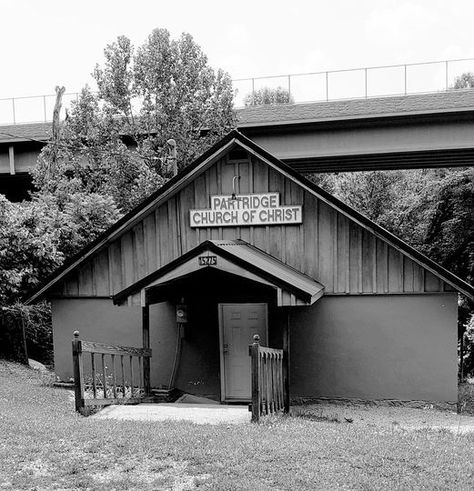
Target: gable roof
(235,138)
(237,257)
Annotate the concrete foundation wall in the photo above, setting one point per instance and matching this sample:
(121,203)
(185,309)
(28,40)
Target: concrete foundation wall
(376,347)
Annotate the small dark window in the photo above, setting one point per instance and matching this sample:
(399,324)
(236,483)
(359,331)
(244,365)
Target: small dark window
(238,154)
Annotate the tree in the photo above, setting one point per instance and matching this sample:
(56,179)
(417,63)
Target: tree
(166,90)
(158,108)
(91,157)
(266,95)
(450,231)
(36,236)
(468,343)
(27,250)
(464,81)
(367,192)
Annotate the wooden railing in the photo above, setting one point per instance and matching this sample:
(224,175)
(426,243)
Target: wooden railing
(269,377)
(106,385)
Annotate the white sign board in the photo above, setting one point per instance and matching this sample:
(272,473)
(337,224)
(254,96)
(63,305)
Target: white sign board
(246,210)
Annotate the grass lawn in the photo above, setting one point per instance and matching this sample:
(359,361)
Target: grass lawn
(45,445)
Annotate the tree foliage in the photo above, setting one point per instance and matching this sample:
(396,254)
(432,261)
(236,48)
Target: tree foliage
(91,158)
(468,354)
(267,95)
(36,236)
(27,248)
(151,100)
(26,332)
(464,81)
(165,89)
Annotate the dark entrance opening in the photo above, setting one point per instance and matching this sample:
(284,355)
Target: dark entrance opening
(199,369)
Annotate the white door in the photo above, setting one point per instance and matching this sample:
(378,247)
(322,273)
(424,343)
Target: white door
(238,324)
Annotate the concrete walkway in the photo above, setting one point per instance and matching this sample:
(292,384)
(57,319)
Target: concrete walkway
(195,413)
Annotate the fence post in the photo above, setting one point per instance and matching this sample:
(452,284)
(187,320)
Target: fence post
(146,344)
(286,365)
(78,371)
(23,341)
(255,364)
(366,89)
(405,72)
(447,76)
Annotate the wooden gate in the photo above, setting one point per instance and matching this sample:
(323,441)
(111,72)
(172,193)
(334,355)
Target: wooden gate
(106,385)
(270,392)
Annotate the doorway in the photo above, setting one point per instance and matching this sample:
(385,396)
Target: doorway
(238,322)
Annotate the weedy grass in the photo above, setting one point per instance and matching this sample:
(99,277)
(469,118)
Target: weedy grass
(45,445)
(316,415)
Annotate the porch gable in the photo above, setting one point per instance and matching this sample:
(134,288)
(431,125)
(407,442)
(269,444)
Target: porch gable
(237,258)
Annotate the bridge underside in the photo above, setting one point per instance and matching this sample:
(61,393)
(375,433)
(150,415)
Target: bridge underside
(404,133)
(385,161)
(368,145)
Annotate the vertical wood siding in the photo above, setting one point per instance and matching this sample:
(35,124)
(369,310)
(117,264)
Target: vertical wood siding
(327,246)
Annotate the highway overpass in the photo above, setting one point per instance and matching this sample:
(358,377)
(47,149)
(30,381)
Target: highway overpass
(402,132)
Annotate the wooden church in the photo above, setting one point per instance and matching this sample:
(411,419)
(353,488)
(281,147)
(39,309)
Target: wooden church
(240,244)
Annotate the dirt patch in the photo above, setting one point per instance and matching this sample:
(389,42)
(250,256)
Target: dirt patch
(166,472)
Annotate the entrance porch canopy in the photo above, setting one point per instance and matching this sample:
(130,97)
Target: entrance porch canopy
(236,257)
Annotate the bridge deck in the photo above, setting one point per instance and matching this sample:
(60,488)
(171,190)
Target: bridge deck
(412,131)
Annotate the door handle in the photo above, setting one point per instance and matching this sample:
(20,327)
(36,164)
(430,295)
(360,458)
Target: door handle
(225,348)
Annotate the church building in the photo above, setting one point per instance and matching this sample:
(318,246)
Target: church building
(239,244)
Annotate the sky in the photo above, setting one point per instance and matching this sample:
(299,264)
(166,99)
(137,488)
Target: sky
(50,42)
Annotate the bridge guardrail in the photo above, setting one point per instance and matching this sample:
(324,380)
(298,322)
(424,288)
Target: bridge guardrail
(328,85)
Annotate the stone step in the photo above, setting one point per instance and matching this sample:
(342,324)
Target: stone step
(165,395)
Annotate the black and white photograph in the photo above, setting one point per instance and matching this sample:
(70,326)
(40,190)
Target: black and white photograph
(236,245)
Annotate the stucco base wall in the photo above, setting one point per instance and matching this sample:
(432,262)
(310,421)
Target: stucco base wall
(376,347)
(101,321)
(367,347)
(198,360)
